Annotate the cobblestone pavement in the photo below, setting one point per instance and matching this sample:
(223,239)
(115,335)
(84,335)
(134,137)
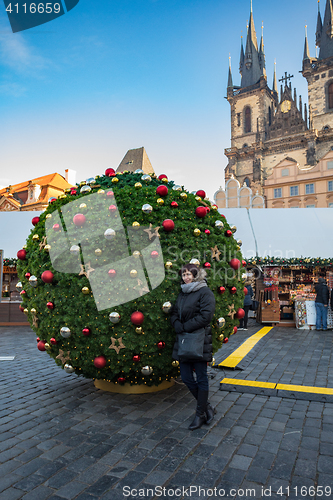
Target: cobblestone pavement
(61,438)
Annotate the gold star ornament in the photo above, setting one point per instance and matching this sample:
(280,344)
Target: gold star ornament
(150,232)
(232,311)
(215,253)
(119,346)
(62,356)
(86,270)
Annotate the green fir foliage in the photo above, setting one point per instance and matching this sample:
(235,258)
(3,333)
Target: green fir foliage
(76,310)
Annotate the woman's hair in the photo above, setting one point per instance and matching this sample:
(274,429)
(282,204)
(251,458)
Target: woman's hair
(197,272)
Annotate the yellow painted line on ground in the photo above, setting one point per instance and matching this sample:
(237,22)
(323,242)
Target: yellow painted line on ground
(304,388)
(240,353)
(252,383)
(281,387)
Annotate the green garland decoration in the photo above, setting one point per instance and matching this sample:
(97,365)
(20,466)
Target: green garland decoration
(304,262)
(119,343)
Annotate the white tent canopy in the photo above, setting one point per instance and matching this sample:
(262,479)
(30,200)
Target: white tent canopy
(283,232)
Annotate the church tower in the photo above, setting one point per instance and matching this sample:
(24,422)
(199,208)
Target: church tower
(252,105)
(281,148)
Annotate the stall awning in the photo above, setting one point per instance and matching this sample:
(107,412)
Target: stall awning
(283,232)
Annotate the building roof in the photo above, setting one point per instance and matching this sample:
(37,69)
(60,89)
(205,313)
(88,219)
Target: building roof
(136,159)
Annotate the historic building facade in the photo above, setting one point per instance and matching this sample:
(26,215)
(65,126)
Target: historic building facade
(280,148)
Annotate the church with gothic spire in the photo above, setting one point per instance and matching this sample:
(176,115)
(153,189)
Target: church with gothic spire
(281,152)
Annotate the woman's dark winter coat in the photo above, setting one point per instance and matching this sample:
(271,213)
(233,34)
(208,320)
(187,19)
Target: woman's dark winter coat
(248,296)
(322,292)
(192,311)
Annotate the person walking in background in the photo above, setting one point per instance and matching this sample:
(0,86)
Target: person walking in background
(246,306)
(321,303)
(194,309)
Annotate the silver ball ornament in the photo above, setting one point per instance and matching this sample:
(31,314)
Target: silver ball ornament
(114,317)
(166,307)
(65,332)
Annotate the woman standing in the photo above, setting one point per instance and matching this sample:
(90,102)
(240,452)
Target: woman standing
(247,305)
(194,309)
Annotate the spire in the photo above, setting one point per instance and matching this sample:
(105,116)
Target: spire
(319,27)
(252,71)
(230,84)
(241,59)
(275,87)
(306,54)
(262,61)
(326,41)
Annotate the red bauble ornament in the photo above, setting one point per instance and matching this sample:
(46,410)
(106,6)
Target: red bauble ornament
(221,290)
(56,227)
(168,225)
(53,341)
(109,172)
(174,204)
(50,305)
(35,221)
(221,215)
(136,358)
(228,233)
(245,290)
(240,313)
(154,254)
(161,344)
(225,340)
(38,339)
(200,212)
(201,193)
(79,219)
(112,208)
(162,190)
(21,308)
(51,200)
(47,276)
(235,329)
(162,176)
(243,263)
(112,273)
(207,265)
(86,332)
(100,362)
(235,264)
(207,210)
(121,380)
(23,292)
(21,254)
(41,345)
(207,231)
(73,191)
(110,194)
(27,275)
(233,290)
(137,318)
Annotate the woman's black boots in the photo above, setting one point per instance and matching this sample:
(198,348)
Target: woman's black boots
(210,410)
(200,415)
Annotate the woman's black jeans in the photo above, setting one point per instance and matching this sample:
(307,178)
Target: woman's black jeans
(243,321)
(186,372)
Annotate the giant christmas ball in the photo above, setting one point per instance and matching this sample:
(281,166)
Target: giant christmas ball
(235,264)
(240,313)
(137,318)
(201,193)
(35,221)
(200,212)
(47,276)
(79,220)
(100,362)
(102,310)
(41,346)
(110,172)
(21,254)
(168,225)
(162,190)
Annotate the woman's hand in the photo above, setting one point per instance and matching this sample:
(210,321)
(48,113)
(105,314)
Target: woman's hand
(178,326)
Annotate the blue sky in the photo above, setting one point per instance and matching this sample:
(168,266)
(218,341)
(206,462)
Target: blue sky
(113,75)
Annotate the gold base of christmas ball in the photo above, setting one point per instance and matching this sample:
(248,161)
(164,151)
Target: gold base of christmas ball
(132,389)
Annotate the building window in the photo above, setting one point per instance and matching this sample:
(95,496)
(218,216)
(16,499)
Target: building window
(309,188)
(329,165)
(330,186)
(238,119)
(295,206)
(269,116)
(330,96)
(285,172)
(247,114)
(310,206)
(293,190)
(247,181)
(278,193)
